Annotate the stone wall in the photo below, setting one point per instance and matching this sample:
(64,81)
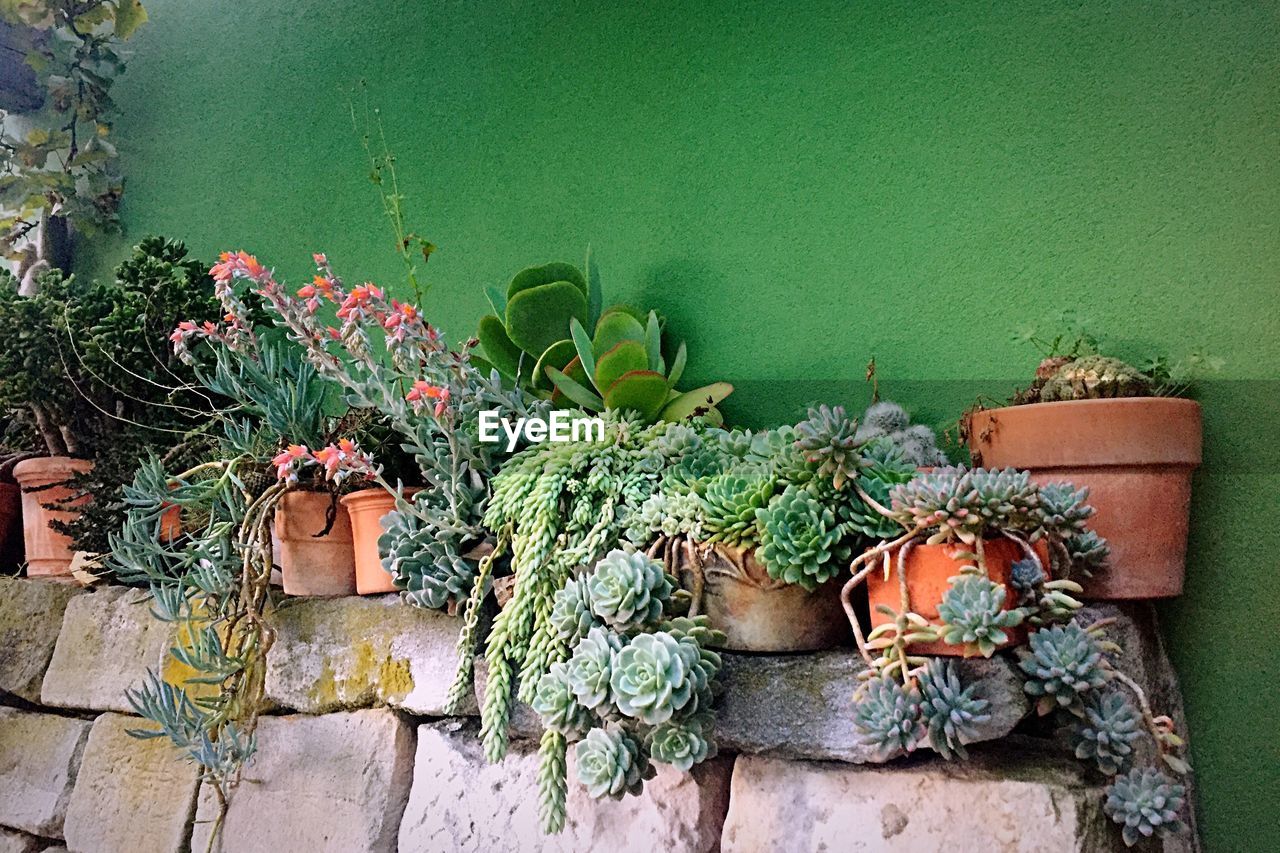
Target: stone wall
(356,755)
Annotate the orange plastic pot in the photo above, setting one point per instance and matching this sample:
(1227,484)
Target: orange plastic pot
(1136,455)
(49,553)
(367,509)
(10,523)
(929,569)
(311,564)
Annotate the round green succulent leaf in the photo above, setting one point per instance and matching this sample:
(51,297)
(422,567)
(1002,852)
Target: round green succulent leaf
(531,277)
(539,316)
(641,391)
(617,324)
(498,348)
(558,355)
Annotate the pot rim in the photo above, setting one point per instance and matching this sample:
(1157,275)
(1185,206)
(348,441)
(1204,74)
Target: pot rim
(353,500)
(43,470)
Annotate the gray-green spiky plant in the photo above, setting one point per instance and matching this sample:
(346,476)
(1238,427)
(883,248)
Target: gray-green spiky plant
(427,563)
(1063,664)
(973,615)
(1063,509)
(888,421)
(829,439)
(951,711)
(1005,498)
(1145,802)
(1107,731)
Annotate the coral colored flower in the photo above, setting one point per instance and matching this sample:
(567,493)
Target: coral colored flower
(320,259)
(185,328)
(286,460)
(306,291)
(241,264)
(422,391)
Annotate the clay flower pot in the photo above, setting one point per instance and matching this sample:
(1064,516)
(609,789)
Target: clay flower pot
(367,508)
(760,614)
(49,553)
(310,564)
(1136,455)
(929,569)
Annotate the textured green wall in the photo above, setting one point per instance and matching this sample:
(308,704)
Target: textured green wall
(800,186)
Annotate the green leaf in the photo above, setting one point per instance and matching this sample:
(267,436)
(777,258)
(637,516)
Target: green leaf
(677,366)
(582,344)
(653,343)
(643,391)
(129,16)
(539,316)
(574,391)
(616,325)
(595,295)
(559,355)
(532,277)
(497,300)
(623,358)
(498,348)
(694,402)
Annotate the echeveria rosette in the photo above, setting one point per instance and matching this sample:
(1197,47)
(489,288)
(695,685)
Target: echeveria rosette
(951,712)
(1063,511)
(1145,802)
(1005,499)
(555,702)
(696,637)
(942,502)
(1063,663)
(654,676)
(800,539)
(1088,552)
(628,591)
(828,438)
(571,614)
(1107,731)
(611,763)
(680,743)
(425,563)
(1026,576)
(591,666)
(729,503)
(695,468)
(973,615)
(889,717)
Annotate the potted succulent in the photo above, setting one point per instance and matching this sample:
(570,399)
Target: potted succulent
(1125,433)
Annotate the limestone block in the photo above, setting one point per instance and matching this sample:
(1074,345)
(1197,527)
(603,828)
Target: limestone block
(30,619)
(335,782)
(12,841)
(130,794)
(109,640)
(39,757)
(345,653)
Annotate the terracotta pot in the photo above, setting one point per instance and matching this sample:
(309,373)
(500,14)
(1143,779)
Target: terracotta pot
(49,553)
(760,614)
(929,569)
(10,523)
(310,564)
(1136,456)
(367,508)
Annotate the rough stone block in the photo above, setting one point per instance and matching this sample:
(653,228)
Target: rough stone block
(130,794)
(460,802)
(344,653)
(30,620)
(12,841)
(1015,804)
(336,782)
(39,757)
(109,640)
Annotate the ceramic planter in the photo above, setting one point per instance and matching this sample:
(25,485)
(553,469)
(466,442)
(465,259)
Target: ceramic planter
(1136,455)
(311,564)
(49,553)
(760,614)
(367,508)
(929,569)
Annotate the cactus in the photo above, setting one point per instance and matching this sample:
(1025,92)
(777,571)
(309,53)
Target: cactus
(886,420)
(1107,731)
(1063,664)
(973,615)
(1145,802)
(800,540)
(888,717)
(949,709)
(829,439)
(1094,377)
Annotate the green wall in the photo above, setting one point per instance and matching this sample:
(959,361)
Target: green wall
(800,186)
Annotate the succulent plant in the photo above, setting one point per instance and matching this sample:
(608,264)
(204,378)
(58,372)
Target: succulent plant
(681,744)
(950,710)
(1063,510)
(696,638)
(889,422)
(611,763)
(1005,498)
(1063,663)
(1107,731)
(800,540)
(889,717)
(591,666)
(1094,377)
(1088,552)
(829,439)
(973,615)
(654,677)
(729,503)
(555,702)
(695,469)
(426,564)
(628,590)
(530,324)
(1026,577)
(669,514)
(571,614)
(1145,802)
(943,499)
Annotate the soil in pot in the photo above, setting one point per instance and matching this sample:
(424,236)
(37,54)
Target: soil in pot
(49,553)
(366,509)
(1136,456)
(929,569)
(758,613)
(312,564)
